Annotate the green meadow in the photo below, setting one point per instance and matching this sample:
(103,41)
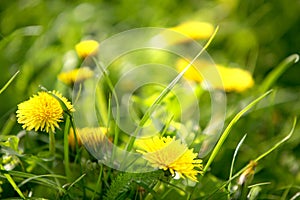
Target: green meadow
(149,99)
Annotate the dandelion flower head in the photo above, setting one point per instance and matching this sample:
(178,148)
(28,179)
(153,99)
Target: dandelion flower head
(75,75)
(42,111)
(195,29)
(89,135)
(86,48)
(169,154)
(233,79)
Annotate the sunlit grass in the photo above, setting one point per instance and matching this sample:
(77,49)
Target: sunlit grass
(49,151)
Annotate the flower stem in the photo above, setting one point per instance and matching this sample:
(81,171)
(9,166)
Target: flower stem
(51,143)
(78,154)
(66,149)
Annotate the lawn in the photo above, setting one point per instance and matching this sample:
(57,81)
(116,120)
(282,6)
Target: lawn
(149,99)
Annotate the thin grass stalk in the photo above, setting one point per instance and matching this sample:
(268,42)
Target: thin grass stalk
(13,184)
(233,161)
(275,74)
(9,82)
(228,129)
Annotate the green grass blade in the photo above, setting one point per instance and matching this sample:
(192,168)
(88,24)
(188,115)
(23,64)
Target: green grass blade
(258,158)
(99,183)
(102,105)
(295,196)
(76,181)
(14,185)
(270,150)
(228,129)
(9,82)
(259,184)
(280,69)
(264,154)
(37,179)
(278,143)
(233,160)
(9,124)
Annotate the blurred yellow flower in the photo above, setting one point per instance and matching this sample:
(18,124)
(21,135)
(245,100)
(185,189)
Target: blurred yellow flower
(42,111)
(71,138)
(86,48)
(75,75)
(169,154)
(195,29)
(233,79)
(89,136)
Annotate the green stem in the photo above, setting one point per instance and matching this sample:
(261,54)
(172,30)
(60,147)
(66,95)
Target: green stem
(52,143)
(98,182)
(102,105)
(78,154)
(66,149)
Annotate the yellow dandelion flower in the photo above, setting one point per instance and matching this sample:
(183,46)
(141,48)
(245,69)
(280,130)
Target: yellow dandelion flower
(233,79)
(75,75)
(87,134)
(91,137)
(195,29)
(42,112)
(86,48)
(71,138)
(169,154)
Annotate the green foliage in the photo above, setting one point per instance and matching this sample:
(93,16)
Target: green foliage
(37,40)
(128,185)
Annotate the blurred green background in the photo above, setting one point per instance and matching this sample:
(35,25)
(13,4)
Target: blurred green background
(38,38)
